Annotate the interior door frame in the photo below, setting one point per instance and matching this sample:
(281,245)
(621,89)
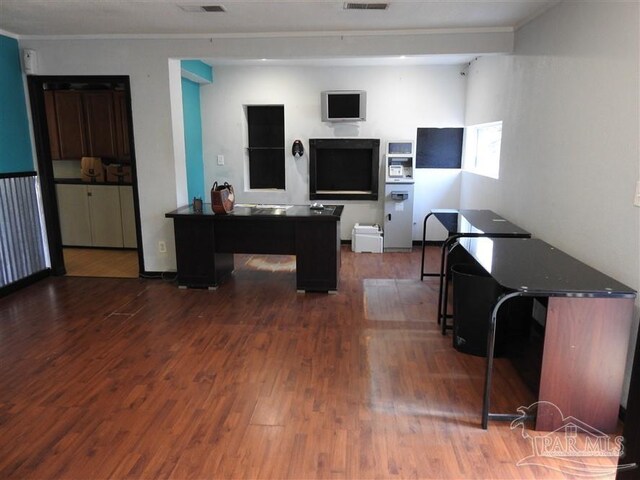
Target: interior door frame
(36,85)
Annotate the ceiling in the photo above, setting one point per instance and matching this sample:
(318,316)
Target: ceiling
(246,18)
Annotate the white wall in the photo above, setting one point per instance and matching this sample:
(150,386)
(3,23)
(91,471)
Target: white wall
(146,62)
(399,100)
(569,99)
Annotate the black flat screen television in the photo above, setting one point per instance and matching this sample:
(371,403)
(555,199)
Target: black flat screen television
(344,106)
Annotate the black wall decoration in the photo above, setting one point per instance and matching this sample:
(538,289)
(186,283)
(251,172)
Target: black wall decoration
(439,148)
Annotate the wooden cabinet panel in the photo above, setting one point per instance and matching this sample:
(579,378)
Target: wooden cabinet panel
(70,121)
(583,366)
(128,217)
(106,221)
(88,123)
(631,433)
(100,124)
(52,124)
(122,126)
(75,220)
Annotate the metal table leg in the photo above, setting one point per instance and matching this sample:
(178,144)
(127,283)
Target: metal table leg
(491,343)
(443,294)
(424,241)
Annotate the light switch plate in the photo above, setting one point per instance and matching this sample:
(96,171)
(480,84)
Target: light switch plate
(636,200)
(220,159)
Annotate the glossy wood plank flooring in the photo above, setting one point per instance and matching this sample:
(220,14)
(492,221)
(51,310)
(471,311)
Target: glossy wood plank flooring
(99,262)
(105,378)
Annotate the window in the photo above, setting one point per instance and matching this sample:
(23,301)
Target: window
(266,146)
(482,149)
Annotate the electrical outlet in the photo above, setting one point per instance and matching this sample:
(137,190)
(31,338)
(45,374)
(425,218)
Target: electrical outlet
(162,246)
(220,159)
(636,200)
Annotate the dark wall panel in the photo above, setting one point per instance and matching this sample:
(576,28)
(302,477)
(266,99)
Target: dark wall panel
(439,148)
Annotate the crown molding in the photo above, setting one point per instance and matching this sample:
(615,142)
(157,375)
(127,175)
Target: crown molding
(301,34)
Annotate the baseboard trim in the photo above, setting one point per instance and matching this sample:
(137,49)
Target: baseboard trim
(415,243)
(24,282)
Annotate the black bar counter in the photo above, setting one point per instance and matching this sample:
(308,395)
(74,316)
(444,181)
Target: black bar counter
(587,329)
(463,224)
(206,242)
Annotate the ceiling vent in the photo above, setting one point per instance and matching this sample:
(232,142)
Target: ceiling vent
(203,8)
(365,6)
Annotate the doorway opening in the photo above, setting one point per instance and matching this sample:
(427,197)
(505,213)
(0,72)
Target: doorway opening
(87,169)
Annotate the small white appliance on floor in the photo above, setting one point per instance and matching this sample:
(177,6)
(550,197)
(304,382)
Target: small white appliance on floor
(366,238)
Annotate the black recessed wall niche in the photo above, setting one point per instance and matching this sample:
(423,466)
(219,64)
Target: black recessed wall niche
(266,146)
(344,168)
(439,147)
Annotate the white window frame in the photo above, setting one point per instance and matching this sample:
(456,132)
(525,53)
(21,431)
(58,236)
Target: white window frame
(478,160)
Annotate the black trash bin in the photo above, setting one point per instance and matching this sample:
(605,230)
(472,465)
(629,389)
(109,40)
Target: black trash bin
(457,254)
(475,293)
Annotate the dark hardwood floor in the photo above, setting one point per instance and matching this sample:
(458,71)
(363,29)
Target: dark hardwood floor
(131,378)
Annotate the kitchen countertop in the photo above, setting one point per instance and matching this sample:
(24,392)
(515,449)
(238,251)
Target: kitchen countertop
(79,181)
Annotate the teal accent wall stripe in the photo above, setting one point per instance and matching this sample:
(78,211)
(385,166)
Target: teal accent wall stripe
(193,139)
(15,142)
(201,70)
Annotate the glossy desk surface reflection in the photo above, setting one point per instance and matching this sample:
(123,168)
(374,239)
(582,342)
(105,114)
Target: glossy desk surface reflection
(535,267)
(464,224)
(332,212)
(477,222)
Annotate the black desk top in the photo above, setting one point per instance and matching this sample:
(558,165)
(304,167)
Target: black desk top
(477,223)
(330,212)
(535,268)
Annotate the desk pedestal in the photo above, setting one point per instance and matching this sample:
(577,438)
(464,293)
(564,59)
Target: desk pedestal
(584,361)
(198,263)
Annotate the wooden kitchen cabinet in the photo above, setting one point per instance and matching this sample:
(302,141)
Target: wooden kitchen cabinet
(122,126)
(100,124)
(52,124)
(69,122)
(88,123)
(96,215)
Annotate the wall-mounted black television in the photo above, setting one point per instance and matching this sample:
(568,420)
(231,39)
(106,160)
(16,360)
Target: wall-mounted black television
(344,106)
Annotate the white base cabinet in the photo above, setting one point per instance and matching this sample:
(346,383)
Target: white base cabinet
(106,219)
(96,215)
(75,219)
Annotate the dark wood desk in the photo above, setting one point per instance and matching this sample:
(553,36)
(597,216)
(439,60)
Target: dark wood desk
(206,242)
(586,334)
(463,224)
